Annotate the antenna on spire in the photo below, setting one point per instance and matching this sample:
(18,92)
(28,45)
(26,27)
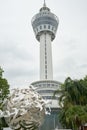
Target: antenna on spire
(44,3)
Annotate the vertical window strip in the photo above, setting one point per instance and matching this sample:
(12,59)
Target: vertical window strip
(45,59)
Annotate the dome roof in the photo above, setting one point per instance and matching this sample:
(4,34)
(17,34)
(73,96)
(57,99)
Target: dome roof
(45,21)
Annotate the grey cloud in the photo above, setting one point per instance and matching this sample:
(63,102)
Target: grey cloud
(83,65)
(19,50)
(11,51)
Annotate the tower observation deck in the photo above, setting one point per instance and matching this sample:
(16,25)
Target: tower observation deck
(45,22)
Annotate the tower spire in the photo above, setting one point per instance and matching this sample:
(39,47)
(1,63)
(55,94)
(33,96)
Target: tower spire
(44,3)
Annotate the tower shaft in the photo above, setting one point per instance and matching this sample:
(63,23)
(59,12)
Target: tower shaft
(45,25)
(46,68)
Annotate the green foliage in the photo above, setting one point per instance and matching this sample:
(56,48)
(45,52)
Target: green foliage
(73,102)
(4,88)
(4,91)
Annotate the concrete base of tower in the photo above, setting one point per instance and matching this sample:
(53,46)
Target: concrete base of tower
(51,122)
(46,88)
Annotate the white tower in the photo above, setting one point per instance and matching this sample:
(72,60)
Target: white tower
(45,26)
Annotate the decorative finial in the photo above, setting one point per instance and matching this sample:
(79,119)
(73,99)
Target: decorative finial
(44,4)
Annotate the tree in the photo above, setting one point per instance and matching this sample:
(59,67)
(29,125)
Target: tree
(73,102)
(4,91)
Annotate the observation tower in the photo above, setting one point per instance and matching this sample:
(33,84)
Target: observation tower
(45,25)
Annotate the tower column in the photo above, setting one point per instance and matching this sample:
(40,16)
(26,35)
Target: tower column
(45,25)
(46,68)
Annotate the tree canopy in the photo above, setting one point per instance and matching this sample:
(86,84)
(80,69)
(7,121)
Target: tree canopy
(4,91)
(73,103)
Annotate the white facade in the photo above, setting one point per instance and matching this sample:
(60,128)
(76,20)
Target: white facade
(46,88)
(45,25)
(46,69)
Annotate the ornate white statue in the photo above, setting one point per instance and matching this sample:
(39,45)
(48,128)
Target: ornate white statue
(24,109)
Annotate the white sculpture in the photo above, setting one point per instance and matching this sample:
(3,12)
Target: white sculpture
(24,109)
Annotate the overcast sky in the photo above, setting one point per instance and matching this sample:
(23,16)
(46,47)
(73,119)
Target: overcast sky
(19,50)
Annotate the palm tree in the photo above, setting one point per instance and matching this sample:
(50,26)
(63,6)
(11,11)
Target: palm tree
(73,102)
